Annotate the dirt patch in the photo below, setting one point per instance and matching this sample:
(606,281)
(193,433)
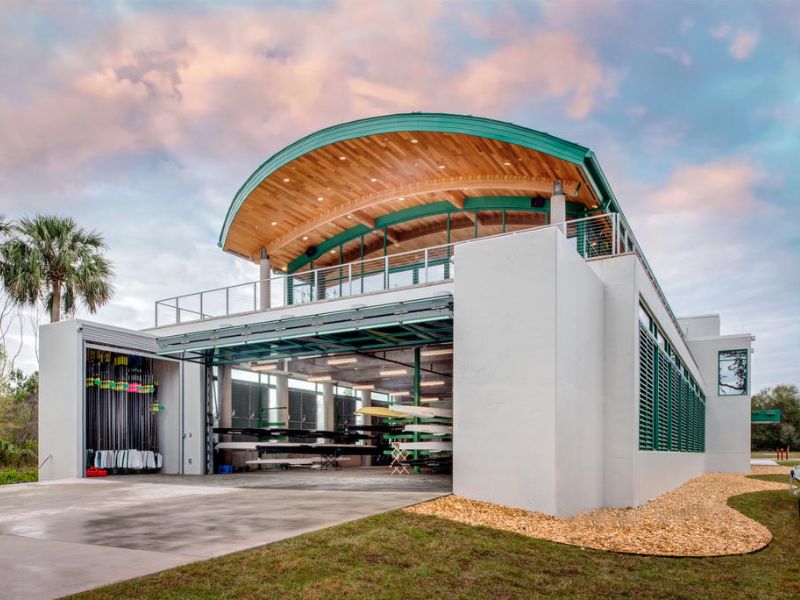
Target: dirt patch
(691,520)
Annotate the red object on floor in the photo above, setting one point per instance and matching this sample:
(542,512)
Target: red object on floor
(95,472)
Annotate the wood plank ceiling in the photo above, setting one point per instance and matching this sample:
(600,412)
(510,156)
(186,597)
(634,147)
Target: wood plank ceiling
(333,188)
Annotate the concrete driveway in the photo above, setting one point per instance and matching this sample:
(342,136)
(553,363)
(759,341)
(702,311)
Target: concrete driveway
(64,537)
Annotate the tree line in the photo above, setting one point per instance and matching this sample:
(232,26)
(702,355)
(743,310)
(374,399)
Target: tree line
(770,436)
(50,262)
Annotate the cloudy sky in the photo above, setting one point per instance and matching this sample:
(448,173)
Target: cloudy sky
(142,120)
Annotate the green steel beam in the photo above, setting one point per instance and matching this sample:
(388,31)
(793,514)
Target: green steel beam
(494,203)
(417,394)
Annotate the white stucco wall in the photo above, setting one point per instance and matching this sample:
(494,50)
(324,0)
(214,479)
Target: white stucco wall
(528,313)
(727,417)
(700,326)
(61,383)
(621,409)
(504,372)
(167,373)
(632,477)
(580,325)
(194,418)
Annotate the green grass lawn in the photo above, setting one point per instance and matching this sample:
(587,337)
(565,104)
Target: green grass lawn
(13,475)
(401,555)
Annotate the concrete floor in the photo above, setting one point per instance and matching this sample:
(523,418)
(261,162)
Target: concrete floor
(63,537)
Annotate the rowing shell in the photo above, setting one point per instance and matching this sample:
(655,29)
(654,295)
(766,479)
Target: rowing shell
(423,411)
(379,411)
(428,428)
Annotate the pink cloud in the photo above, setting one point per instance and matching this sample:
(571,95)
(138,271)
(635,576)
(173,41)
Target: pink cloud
(676,54)
(247,80)
(742,41)
(723,186)
(555,64)
(743,44)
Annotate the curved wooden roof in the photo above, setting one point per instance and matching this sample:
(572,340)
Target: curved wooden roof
(404,173)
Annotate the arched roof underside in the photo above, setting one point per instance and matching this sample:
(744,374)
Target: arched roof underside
(401,182)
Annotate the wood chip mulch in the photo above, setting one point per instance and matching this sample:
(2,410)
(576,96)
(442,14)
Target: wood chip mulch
(691,520)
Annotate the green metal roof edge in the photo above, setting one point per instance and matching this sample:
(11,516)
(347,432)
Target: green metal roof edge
(434,122)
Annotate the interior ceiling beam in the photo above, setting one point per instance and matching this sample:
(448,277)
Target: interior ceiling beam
(533,185)
(369,222)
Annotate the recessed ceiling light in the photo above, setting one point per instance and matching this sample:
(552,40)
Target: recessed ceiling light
(508,164)
(432,383)
(429,399)
(349,216)
(342,158)
(399,394)
(437,352)
(264,367)
(286,180)
(391,372)
(274,223)
(441,166)
(319,378)
(594,205)
(363,386)
(373,180)
(305,237)
(414,141)
(333,251)
(320,198)
(343,361)
(401,198)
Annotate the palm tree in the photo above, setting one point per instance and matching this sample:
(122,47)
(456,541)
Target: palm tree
(51,259)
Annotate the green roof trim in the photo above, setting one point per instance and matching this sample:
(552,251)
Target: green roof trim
(430,122)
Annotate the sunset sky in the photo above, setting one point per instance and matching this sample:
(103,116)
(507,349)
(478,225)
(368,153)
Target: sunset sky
(142,120)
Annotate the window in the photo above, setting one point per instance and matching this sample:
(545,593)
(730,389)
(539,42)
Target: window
(732,373)
(302,409)
(671,404)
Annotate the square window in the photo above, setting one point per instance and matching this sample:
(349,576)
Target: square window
(732,373)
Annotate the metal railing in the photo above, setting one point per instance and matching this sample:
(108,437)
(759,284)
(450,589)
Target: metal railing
(592,237)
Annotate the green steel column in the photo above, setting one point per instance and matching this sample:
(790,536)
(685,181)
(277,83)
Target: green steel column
(362,263)
(385,270)
(447,262)
(417,380)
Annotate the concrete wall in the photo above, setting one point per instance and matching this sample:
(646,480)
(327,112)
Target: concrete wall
(700,326)
(580,377)
(727,417)
(632,477)
(194,418)
(620,350)
(167,373)
(517,304)
(61,384)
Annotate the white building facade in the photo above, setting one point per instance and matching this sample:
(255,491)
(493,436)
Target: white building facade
(572,384)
